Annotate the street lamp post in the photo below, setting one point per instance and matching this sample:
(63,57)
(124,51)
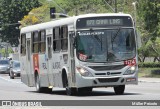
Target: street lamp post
(135,11)
(135,24)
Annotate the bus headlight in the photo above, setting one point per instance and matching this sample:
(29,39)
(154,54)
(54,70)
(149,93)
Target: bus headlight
(130,71)
(84,72)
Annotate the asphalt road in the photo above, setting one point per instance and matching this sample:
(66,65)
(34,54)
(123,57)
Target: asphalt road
(14,89)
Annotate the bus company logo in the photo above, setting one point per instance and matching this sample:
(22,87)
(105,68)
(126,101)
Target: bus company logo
(6,103)
(108,73)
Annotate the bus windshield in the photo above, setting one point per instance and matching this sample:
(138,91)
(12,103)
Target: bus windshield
(107,45)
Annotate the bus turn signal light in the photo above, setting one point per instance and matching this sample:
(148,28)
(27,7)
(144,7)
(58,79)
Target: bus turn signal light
(131,79)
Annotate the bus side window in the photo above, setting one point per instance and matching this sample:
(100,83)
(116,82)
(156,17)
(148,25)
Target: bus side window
(35,42)
(64,38)
(23,44)
(42,43)
(56,39)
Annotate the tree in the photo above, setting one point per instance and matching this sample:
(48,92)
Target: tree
(149,15)
(72,7)
(77,7)
(12,11)
(149,12)
(36,15)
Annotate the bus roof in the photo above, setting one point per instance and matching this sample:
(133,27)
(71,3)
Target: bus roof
(65,21)
(102,14)
(49,24)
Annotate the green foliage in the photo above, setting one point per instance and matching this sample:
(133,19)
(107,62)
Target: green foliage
(149,65)
(149,11)
(4,51)
(149,72)
(12,11)
(76,7)
(149,25)
(156,72)
(71,7)
(36,15)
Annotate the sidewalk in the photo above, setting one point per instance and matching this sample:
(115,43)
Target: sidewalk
(150,80)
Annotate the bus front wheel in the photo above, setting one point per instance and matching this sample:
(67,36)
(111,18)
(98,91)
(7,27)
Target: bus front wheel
(69,90)
(119,90)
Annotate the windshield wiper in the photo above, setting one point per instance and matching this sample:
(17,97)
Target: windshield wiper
(116,34)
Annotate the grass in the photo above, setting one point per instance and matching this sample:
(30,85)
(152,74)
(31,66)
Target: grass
(148,72)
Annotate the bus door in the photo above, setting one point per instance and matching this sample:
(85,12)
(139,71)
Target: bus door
(28,60)
(72,61)
(49,56)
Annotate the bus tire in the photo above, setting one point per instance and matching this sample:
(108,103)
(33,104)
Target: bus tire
(11,76)
(119,90)
(69,90)
(39,88)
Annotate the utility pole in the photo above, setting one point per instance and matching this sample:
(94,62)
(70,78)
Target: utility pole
(135,11)
(115,6)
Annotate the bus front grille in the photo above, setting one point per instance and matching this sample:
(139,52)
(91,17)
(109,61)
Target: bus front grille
(103,74)
(103,80)
(103,68)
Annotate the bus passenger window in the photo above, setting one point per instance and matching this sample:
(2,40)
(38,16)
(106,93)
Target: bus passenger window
(35,42)
(56,39)
(42,41)
(23,44)
(64,37)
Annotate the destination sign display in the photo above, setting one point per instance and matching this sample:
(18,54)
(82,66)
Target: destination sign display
(101,22)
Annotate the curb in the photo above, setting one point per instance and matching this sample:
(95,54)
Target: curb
(149,81)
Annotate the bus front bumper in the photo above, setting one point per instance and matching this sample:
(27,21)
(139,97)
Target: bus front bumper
(106,81)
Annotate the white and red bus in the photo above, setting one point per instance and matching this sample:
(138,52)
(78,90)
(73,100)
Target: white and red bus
(80,53)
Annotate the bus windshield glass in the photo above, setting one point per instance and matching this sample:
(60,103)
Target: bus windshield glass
(106,45)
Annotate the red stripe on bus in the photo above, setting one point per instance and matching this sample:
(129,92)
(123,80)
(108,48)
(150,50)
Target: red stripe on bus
(36,62)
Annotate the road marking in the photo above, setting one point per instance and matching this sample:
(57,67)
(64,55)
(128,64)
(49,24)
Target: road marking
(10,80)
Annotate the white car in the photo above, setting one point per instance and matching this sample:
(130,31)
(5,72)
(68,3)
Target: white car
(4,66)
